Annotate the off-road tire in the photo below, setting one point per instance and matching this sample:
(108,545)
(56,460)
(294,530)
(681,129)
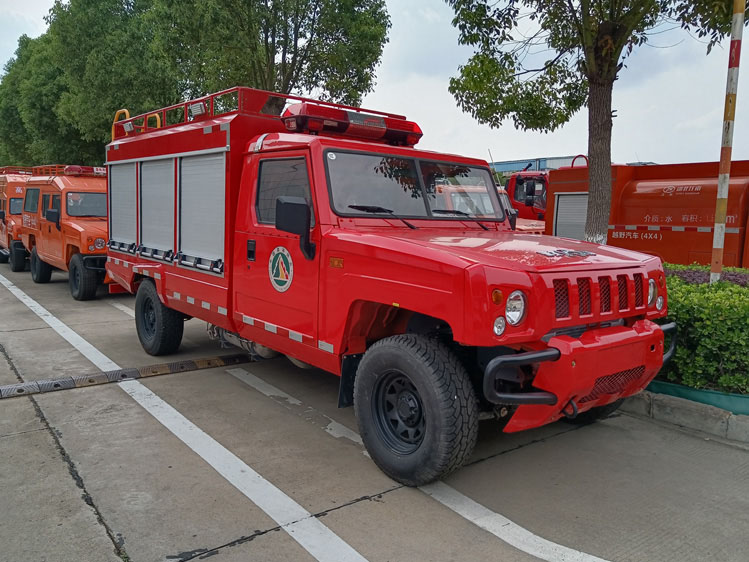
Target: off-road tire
(594,414)
(17,257)
(41,272)
(83,282)
(422,372)
(159,328)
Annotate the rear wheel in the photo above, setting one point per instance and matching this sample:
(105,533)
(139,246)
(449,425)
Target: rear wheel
(594,414)
(17,256)
(416,408)
(41,272)
(83,282)
(159,328)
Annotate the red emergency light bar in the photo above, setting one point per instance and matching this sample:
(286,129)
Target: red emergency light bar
(312,118)
(73,170)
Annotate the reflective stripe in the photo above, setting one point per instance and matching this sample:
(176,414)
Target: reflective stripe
(272,328)
(248,320)
(296,336)
(325,346)
(157,275)
(206,305)
(222,310)
(176,296)
(190,300)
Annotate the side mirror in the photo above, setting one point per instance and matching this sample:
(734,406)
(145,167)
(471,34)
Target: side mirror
(512,215)
(294,216)
(53,215)
(2,216)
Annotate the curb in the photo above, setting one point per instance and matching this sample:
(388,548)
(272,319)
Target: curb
(688,414)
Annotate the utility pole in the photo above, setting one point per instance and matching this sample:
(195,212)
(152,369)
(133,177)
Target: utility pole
(729,116)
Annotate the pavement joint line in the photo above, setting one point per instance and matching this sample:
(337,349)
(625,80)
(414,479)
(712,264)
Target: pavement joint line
(204,553)
(481,516)
(523,445)
(118,543)
(121,307)
(311,534)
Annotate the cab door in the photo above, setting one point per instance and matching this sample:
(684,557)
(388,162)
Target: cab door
(277,289)
(55,238)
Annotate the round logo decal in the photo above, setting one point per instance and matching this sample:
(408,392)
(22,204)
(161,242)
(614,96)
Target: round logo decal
(280,269)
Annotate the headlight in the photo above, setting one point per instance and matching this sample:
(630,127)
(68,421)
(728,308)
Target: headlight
(652,292)
(499,326)
(100,243)
(659,303)
(515,308)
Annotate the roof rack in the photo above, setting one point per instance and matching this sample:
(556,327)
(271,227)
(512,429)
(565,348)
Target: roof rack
(69,170)
(25,170)
(237,100)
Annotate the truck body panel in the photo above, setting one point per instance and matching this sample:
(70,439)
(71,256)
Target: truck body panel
(12,190)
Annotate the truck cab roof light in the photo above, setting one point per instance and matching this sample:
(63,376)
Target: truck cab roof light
(311,118)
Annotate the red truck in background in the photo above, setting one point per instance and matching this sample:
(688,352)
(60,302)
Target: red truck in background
(319,232)
(527,192)
(665,210)
(12,188)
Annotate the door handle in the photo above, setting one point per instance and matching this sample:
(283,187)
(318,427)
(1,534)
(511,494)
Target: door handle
(250,250)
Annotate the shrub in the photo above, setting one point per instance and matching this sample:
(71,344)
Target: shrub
(701,274)
(713,330)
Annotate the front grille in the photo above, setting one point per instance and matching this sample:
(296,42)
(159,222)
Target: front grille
(583,286)
(613,384)
(561,298)
(621,281)
(638,290)
(603,283)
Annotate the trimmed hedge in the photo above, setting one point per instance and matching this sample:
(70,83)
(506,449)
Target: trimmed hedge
(713,329)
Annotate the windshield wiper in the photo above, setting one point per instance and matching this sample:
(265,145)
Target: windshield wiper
(462,214)
(375,209)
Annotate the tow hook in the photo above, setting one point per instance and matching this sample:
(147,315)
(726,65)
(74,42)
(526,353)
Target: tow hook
(573,415)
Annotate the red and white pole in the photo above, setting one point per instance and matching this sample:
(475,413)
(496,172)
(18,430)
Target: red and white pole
(729,115)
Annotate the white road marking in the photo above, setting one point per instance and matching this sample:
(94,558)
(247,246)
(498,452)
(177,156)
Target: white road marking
(317,539)
(495,523)
(121,307)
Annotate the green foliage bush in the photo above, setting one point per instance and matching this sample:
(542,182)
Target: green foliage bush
(713,335)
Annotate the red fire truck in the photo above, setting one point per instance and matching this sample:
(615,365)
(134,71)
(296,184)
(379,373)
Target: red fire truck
(527,191)
(12,187)
(666,210)
(319,232)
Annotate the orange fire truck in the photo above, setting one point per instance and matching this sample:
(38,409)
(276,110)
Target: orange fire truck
(12,187)
(319,232)
(65,226)
(664,210)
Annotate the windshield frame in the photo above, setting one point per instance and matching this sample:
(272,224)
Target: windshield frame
(67,205)
(428,216)
(10,205)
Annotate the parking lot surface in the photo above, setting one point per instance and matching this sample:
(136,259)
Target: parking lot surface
(255,462)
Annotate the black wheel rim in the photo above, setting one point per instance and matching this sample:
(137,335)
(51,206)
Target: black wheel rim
(398,413)
(76,277)
(149,319)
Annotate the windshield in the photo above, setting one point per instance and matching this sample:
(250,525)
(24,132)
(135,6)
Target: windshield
(366,184)
(16,206)
(86,204)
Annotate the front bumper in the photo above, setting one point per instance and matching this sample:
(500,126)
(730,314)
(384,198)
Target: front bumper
(576,374)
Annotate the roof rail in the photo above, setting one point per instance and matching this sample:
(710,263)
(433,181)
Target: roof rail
(236,100)
(15,170)
(69,170)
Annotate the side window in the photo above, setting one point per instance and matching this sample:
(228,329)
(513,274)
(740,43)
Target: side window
(45,204)
(280,177)
(2,204)
(31,201)
(55,202)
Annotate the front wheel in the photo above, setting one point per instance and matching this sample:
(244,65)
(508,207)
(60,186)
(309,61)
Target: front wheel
(17,257)
(83,282)
(416,408)
(159,327)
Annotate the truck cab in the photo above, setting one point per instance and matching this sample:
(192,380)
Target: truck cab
(323,234)
(527,191)
(12,188)
(65,226)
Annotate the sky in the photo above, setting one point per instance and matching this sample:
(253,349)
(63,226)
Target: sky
(668,100)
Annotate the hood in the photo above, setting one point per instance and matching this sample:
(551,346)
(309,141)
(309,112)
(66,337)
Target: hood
(94,227)
(531,252)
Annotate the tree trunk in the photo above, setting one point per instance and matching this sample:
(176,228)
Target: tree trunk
(599,165)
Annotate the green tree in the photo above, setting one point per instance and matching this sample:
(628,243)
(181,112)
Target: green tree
(328,48)
(540,61)
(31,131)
